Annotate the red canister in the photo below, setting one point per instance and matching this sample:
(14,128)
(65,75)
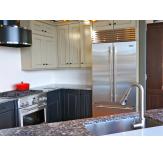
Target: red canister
(22,86)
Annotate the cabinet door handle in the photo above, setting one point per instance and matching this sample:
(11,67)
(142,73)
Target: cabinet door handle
(82,63)
(70,63)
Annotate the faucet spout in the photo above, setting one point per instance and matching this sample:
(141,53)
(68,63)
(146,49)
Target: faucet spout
(141,103)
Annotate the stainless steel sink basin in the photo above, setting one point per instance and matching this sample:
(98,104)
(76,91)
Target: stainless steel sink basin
(116,126)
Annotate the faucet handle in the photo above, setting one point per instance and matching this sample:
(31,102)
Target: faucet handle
(124,102)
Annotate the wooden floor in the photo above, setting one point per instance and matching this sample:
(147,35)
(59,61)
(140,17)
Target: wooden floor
(105,110)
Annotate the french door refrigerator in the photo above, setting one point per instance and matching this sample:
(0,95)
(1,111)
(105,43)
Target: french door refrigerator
(114,67)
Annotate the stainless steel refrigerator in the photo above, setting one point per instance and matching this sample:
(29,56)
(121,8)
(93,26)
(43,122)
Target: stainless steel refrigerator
(114,67)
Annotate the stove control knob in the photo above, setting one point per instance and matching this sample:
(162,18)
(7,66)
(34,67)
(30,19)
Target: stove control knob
(22,105)
(39,99)
(34,101)
(26,103)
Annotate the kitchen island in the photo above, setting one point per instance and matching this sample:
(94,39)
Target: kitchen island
(74,127)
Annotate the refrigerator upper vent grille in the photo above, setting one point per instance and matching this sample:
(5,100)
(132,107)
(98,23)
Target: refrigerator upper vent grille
(118,35)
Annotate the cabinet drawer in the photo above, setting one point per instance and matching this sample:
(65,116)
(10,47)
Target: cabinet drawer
(7,106)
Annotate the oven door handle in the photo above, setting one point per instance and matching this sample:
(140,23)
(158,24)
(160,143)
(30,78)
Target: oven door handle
(27,111)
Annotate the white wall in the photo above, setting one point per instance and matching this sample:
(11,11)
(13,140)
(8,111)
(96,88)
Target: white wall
(73,76)
(11,73)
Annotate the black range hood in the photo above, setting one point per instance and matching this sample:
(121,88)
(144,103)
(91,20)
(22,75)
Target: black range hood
(12,35)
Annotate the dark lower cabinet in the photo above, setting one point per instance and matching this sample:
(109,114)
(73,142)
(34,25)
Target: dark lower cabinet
(71,104)
(85,103)
(8,115)
(54,106)
(68,104)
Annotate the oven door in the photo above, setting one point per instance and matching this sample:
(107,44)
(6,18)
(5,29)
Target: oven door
(32,116)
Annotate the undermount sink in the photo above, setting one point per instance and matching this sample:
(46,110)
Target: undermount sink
(117,126)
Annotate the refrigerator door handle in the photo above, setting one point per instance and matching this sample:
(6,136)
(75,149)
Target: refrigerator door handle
(110,78)
(114,73)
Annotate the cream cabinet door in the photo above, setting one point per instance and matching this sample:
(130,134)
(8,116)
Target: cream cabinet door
(74,43)
(38,56)
(124,23)
(86,45)
(63,46)
(50,50)
(37,27)
(49,30)
(102,25)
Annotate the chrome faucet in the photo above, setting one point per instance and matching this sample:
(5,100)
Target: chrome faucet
(141,103)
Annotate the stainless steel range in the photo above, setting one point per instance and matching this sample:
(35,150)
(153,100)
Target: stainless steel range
(31,106)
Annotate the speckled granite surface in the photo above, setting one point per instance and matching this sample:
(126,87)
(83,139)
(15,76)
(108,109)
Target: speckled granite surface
(67,128)
(73,128)
(156,114)
(3,100)
(51,87)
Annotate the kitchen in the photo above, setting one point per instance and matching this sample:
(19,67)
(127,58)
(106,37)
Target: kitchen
(64,72)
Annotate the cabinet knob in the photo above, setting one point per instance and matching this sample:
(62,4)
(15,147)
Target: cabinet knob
(114,23)
(82,63)
(70,63)
(109,24)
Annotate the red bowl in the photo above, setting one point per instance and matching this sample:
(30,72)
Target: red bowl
(22,86)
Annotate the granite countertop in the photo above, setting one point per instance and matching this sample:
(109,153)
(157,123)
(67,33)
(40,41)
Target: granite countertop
(156,114)
(66,128)
(51,87)
(3,100)
(72,128)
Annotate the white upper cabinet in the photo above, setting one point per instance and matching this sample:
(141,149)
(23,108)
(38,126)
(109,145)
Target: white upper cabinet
(69,45)
(124,23)
(102,25)
(37,54)
(39,27)
(74,44)
(63,45)
(51,54)
(110,24)
(43,52)
(86,45)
